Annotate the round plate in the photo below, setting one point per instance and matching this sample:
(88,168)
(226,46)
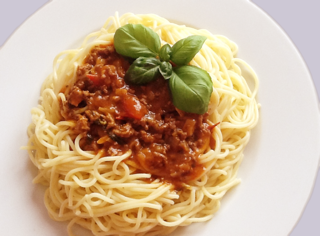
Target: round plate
(281,159)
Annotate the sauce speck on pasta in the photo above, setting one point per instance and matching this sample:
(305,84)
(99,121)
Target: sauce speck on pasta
(115,117)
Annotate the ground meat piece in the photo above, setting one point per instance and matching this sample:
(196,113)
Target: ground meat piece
(80,84)
(114,151)
(111,123)
(184,168)
(163,149)
(146,137)
(159,160)
(135,144)
(93,115)
(82,124)
(184,146)
(83,70)
(107,51)
(189,126)
(124,131)
(182,135)
(76,96)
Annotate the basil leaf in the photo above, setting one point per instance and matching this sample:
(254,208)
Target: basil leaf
(191,89)
(143,70)
(166,69)
(165,52)
(185,49)
(136,40)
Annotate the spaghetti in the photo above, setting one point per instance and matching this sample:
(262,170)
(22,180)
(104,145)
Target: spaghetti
(107,195)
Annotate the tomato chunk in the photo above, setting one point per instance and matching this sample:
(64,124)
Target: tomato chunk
(132,108)
(95,79)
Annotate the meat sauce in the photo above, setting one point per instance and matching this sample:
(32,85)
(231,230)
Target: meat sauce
(115,117)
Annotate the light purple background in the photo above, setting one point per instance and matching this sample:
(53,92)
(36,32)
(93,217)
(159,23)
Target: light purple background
(300,19)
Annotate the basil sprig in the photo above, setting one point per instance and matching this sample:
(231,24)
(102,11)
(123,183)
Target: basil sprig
(165,52)
(190,86)
(136,41)
(143,70)
(166,69)
(194,86)
(185,49)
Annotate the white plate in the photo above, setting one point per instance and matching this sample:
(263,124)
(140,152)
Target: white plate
(281,159)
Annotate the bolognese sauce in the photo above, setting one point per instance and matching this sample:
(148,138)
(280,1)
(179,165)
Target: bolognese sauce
(114,116)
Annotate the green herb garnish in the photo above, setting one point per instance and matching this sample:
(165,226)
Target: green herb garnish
(185,49)
(190,86)
(165,52)
(194,86)
(143,70)
(136,41)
